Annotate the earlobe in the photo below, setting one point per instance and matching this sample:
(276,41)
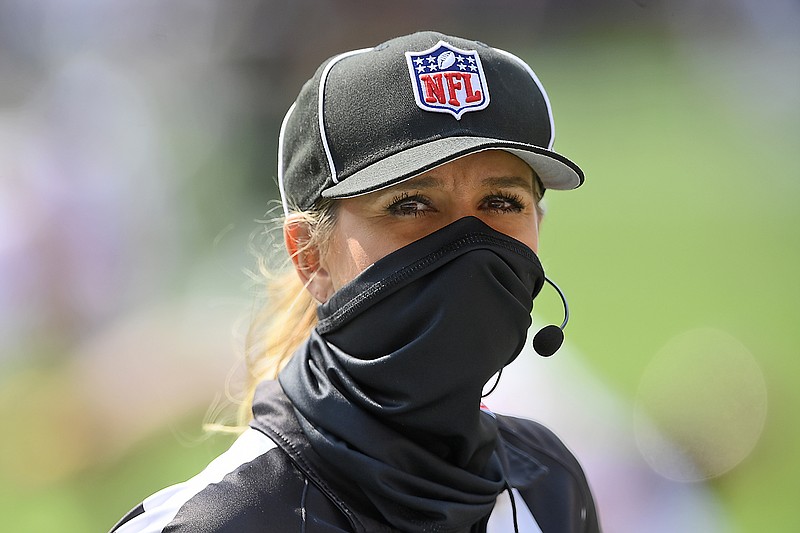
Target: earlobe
(306,258)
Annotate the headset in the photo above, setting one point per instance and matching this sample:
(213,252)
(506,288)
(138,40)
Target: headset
(550,338)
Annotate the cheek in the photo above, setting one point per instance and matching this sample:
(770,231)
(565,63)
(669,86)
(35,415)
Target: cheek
(533,241)
(352,249)
(532,234)
(341,262)
(358,259)
(525,230)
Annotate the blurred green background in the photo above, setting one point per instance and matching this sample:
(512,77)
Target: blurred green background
(137,152)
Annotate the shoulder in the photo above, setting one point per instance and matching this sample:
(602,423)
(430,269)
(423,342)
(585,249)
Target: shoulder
(533,437)
(232,493)
(547,475)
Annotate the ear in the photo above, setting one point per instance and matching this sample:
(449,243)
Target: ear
(306,258)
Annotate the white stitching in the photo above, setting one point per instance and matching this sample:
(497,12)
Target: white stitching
(544,94)
(284,200)
(321,107)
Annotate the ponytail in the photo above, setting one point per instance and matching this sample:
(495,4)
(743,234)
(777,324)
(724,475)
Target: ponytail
(287,314)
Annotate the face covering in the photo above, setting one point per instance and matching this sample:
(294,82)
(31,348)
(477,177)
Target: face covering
(387,388)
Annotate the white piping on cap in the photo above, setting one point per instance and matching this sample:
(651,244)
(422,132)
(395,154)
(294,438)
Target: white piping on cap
(320,110)
(544,94)
(284,200)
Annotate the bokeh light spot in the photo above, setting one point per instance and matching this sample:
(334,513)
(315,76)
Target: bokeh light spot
(701,406)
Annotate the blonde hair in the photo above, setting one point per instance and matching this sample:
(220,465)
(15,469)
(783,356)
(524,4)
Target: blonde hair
(288,313)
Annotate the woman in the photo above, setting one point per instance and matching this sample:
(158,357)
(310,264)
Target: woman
(411,175)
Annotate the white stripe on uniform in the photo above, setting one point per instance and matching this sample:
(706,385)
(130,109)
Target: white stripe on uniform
(502,518)
(162,507)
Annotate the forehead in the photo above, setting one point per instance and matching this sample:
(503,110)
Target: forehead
(489,168)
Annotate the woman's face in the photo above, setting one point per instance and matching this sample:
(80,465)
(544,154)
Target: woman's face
(494,186)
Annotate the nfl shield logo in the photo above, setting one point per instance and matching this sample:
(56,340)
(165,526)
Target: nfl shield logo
(447,79)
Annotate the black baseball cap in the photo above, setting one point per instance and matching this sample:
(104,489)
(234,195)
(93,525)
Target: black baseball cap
(374,117)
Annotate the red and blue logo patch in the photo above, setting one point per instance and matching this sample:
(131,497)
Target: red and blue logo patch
(447,79)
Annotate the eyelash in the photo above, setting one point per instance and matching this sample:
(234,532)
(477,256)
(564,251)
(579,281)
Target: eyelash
(517,203)
(393,207)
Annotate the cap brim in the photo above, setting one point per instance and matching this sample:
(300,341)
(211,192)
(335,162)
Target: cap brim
(554,170)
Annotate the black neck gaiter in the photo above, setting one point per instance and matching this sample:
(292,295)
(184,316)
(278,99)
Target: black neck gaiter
(387,388)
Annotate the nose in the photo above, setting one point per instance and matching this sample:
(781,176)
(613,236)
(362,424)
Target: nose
(463,206)
(457,211)
(464,209)
(527,232)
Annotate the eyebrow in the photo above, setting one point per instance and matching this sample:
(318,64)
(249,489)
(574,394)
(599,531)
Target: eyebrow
(510,181)
(420,182)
